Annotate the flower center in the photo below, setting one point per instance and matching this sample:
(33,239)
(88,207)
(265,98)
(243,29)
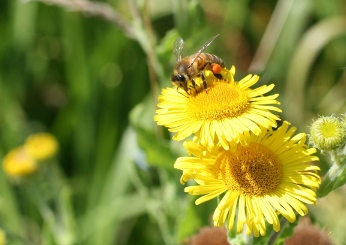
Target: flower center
(253,170)
(329,130)
(219,101)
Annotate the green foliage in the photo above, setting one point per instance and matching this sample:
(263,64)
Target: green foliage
(334,178)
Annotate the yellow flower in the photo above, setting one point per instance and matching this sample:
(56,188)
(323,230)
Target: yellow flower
(270,176)
(41,146)
(19,163)
(225,112)
(2,237)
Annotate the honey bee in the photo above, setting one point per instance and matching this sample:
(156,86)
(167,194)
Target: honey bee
(188,68)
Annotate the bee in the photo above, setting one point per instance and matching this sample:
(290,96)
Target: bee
(188,68)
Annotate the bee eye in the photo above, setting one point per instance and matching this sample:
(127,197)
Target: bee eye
(179,78)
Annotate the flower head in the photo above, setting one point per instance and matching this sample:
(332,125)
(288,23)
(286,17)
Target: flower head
(209,235)
(328,133)
(308,233)
(19,163)
(270,176)
(2,237)
(41,146)
(225,112)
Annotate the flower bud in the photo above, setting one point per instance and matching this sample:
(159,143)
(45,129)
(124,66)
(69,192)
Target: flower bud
(18,163)
(328,133)
(41,146)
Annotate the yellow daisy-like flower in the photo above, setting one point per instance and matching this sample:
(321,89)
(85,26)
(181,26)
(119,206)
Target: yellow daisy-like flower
(224,112)
(270,176)
(19,163)
(41,146)
(2,237)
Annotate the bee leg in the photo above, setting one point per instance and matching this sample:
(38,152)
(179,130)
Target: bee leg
(181,93)
(193,84)
(204,81)
(216,69)
(219,76)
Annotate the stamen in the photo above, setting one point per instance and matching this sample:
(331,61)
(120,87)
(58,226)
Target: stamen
(223,100)
(253,170)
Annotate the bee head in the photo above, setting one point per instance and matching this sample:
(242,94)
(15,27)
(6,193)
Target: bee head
(180,81)
(178,78)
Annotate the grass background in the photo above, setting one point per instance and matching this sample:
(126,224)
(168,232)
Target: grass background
(82,79)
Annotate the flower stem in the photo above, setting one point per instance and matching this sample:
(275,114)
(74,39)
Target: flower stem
(275,235)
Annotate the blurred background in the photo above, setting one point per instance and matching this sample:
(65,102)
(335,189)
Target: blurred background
(89,73)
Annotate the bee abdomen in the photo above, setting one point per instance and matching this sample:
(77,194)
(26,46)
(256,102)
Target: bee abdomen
(211,58)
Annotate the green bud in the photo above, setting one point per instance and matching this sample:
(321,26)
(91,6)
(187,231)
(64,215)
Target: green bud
(328,133)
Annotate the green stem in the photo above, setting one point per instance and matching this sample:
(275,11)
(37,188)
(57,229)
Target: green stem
(154,209)
(275,235)
(247,240)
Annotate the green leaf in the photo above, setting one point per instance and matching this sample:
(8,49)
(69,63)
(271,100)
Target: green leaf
(157,151)
(191,221)
(335,178)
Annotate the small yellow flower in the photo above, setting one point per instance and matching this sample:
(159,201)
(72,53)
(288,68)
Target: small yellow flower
(41,146)
(2,237)
(19,163)
(328,133)
(270,176)
(225,112)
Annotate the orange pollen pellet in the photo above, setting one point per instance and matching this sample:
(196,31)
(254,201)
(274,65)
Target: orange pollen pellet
(216,68)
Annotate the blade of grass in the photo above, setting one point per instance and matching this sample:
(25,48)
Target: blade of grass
(306,53)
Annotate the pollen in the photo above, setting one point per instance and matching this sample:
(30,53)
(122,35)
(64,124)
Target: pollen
(219,101)
(254,170)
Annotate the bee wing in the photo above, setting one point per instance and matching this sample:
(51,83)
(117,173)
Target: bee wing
(202,49)
(177,48)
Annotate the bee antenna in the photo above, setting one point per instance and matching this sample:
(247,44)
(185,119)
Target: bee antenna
(202,49)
